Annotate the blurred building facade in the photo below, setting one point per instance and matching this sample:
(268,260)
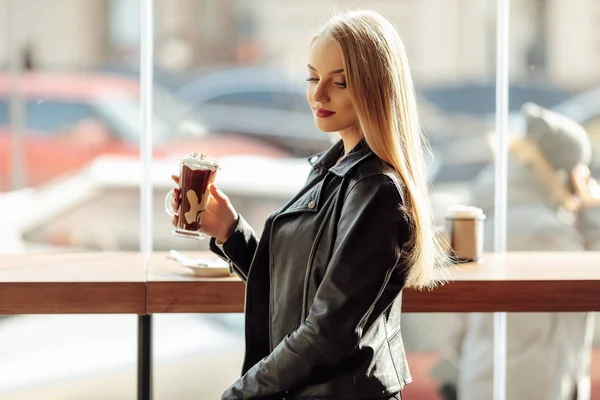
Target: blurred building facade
(449,40)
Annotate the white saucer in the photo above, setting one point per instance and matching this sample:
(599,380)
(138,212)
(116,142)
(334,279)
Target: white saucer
(208,267)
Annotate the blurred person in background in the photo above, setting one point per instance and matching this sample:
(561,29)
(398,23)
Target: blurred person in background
(323,283)
(553,205)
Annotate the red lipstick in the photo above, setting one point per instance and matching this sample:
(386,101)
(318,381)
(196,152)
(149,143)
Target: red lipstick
(323,113)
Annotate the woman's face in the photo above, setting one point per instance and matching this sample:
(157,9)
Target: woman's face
(326,91)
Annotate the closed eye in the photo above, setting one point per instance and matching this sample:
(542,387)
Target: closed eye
(341,85)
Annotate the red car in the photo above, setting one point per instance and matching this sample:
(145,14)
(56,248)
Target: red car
(69,119)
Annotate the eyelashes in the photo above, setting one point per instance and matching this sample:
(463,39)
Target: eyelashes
(341,85)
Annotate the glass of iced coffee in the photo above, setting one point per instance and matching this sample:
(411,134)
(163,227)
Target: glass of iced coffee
(197,172)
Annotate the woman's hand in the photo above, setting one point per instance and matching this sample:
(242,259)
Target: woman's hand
(586,187)
(219,218)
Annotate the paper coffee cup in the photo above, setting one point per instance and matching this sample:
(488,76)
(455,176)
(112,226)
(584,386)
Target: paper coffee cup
(464,232)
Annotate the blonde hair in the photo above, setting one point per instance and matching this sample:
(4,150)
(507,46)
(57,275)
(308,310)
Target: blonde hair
(379,78)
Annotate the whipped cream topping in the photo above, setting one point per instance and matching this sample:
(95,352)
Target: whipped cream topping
(199,161)
(464,212)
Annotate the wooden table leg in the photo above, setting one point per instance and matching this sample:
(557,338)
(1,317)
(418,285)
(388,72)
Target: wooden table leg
(144,357)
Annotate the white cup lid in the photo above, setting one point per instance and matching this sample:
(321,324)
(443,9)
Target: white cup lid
(460,211)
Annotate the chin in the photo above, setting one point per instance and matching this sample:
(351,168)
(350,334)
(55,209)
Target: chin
(323,126)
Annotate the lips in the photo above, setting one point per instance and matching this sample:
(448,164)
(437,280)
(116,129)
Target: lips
(322,113)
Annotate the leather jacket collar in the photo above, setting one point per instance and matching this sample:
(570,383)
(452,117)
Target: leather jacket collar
(328,158)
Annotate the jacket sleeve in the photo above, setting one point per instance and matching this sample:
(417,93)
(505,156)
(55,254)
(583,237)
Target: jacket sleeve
(371,233)
(238,251)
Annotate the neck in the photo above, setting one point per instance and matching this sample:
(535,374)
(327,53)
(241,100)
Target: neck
(350,137)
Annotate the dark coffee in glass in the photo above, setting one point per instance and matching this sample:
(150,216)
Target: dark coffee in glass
(197,172)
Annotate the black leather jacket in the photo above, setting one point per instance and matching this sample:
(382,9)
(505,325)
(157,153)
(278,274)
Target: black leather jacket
(323,286)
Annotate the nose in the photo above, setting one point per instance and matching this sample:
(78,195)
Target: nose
(320,94)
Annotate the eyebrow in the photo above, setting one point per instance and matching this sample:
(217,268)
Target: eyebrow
(335,71)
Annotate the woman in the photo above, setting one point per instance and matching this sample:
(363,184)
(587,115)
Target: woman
(553,205)
(323,283)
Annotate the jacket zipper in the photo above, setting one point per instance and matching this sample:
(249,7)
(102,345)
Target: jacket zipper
(232,264)
(272,264)
(311,256)
(271,274)
(238,269)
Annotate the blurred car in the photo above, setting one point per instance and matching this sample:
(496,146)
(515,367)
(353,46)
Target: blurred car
(479,98)
(583,108)
(165,78)
(98,208)
(70,119)
(269,104)
(259,102)
(460,138)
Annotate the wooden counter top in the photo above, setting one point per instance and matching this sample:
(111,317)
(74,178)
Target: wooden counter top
(174,288)
(63,283)
(516,281)
(66,283)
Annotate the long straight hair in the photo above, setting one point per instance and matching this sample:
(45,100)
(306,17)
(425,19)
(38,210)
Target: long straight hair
(380,81)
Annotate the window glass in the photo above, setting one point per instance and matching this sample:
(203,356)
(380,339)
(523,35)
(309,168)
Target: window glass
(68,176)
